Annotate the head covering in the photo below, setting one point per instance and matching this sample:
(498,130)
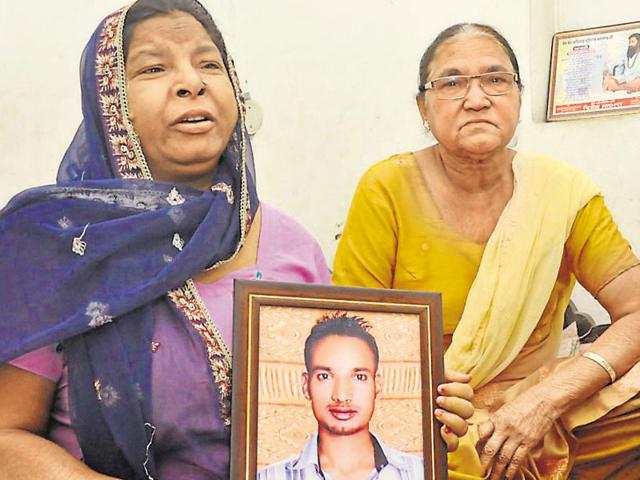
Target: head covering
(85,259)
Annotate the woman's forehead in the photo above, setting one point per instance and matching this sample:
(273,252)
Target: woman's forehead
(470,50)
(176,27)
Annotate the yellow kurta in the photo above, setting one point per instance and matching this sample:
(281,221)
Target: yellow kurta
(395,238)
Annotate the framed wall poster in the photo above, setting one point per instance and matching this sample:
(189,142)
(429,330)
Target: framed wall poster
(595,72)
(306,372)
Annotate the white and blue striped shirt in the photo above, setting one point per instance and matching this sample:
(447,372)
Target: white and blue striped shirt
(395,465)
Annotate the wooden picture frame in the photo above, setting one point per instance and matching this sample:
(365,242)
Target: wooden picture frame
(591,73)
(271,323)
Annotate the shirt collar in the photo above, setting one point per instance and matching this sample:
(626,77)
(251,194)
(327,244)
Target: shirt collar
(309,455)
(379,456)
(383,456)
(393,457)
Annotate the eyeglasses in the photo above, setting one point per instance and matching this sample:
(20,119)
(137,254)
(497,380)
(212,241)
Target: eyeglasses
(457,86)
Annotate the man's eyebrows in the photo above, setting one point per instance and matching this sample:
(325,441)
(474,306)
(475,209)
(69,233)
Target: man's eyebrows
(330,370)
(321,367)
(363,369)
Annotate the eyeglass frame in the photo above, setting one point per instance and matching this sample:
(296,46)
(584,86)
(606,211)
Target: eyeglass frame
(425,87)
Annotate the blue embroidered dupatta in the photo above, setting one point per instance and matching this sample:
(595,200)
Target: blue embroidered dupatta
(84,260)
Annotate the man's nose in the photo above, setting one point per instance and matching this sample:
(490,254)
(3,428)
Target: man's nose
(342,391)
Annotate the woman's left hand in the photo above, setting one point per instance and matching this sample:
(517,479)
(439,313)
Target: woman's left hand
(455,405)
(512,431)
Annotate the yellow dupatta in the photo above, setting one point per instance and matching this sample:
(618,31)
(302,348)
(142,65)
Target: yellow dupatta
(519,267)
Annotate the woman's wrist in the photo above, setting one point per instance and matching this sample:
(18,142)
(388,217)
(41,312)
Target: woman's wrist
(553,402)
(570,385)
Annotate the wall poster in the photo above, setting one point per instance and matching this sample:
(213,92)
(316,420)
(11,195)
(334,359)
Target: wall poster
(595,72)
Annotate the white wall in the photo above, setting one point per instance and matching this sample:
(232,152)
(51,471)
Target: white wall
(336,81)
(596,146)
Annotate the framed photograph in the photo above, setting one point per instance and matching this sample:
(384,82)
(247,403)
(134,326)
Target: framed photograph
(323,369)
(595,72)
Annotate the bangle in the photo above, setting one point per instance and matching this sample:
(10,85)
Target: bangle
(603,363)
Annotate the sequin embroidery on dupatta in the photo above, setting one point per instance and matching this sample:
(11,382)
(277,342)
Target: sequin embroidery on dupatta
(188,301)
(226,189)
(110,79)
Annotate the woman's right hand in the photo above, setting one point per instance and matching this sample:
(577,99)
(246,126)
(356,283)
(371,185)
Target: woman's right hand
(454,401)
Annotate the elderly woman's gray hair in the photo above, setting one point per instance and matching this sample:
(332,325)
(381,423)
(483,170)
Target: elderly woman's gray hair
(460,29)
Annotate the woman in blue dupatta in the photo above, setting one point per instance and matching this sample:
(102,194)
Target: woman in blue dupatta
(117,281)
(156,189)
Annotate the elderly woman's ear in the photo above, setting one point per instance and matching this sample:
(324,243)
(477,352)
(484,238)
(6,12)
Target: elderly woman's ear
(422,109)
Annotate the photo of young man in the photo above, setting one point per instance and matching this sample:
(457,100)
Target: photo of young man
(342,382)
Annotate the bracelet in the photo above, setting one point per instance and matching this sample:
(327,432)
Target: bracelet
(603,363)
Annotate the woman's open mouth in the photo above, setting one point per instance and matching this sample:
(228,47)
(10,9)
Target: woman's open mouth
(194,121)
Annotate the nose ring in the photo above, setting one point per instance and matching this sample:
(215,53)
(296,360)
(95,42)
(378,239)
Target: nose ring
(204,83)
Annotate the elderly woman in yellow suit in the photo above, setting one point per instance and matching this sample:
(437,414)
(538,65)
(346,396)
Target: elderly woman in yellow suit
(504,235)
